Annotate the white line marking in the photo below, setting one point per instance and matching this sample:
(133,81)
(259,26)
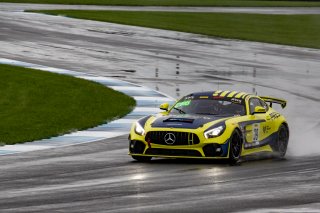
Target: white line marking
(101,79)
(56,70)
(146,109)
(126,88)
(123,121)
(22,148)
(150,98)
(98,134)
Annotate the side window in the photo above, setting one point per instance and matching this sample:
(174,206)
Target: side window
(253,103)
(264,105)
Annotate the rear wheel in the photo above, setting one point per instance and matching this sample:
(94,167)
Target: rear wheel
(142,158)
(282,141)
(235,147)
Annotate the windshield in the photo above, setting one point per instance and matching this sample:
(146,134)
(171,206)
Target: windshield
(206,105)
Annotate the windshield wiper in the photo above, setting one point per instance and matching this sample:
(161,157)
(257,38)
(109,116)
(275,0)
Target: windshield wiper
(179,110)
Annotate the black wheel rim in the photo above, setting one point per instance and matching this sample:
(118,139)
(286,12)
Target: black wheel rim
(236,146)
(283,141)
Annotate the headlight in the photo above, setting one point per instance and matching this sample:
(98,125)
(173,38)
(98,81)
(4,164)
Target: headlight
(139,129)
(211,133)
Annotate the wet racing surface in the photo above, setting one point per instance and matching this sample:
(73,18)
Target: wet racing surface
(260,10)
(100,176)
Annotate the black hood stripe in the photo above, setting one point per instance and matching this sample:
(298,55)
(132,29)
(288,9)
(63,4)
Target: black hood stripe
(179,122)
(143,120)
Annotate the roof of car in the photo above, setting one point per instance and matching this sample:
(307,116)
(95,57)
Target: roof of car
(224,93)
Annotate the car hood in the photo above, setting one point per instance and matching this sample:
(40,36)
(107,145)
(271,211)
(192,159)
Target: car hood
(184,121)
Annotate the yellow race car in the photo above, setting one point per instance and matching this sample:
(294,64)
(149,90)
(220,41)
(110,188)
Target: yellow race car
(212,125)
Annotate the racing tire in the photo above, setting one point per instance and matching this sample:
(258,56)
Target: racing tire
(282,142)
(235,147)
(142,158)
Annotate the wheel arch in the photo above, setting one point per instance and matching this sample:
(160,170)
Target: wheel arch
(284,123)
(237,128)
(232,159)
(287,126)
(241,133)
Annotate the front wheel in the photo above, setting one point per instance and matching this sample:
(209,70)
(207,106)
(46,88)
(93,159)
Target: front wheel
(142,158)
(235,147)
(282,141)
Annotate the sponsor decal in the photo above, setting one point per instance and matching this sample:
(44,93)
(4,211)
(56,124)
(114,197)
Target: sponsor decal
(252,145)
(189,98)
(266,129)
(217,97)
(236,100)
(183,103)
(274,115)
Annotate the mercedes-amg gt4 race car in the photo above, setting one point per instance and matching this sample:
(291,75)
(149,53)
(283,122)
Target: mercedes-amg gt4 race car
(212,125)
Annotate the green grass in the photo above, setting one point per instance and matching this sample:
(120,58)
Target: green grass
(36,104)
(296,30)
(227,3)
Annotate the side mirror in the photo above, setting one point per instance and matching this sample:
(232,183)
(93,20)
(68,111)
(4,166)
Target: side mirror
(259,109)
(164,106)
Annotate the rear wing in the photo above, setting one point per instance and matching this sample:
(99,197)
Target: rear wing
(271,100)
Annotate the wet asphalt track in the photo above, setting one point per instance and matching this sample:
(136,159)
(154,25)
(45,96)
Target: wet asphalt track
(100,176)
(259,10)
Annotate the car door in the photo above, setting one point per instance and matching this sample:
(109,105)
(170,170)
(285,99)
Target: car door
(268,125)
(255,127)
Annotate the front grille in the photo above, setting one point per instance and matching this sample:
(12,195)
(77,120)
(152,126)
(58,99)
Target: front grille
(173,152)
(181,138)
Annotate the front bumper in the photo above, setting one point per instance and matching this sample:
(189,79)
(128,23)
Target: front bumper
(201,150)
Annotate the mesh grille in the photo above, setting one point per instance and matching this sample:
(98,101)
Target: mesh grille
(181,138)
(173,152)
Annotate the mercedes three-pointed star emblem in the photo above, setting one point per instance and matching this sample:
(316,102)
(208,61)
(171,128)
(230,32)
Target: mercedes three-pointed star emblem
(169,138)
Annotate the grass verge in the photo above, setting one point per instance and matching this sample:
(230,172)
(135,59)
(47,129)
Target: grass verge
(296,30)
(36,104)
(205,3)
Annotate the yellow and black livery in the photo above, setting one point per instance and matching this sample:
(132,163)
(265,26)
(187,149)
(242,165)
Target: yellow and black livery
(212,125)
